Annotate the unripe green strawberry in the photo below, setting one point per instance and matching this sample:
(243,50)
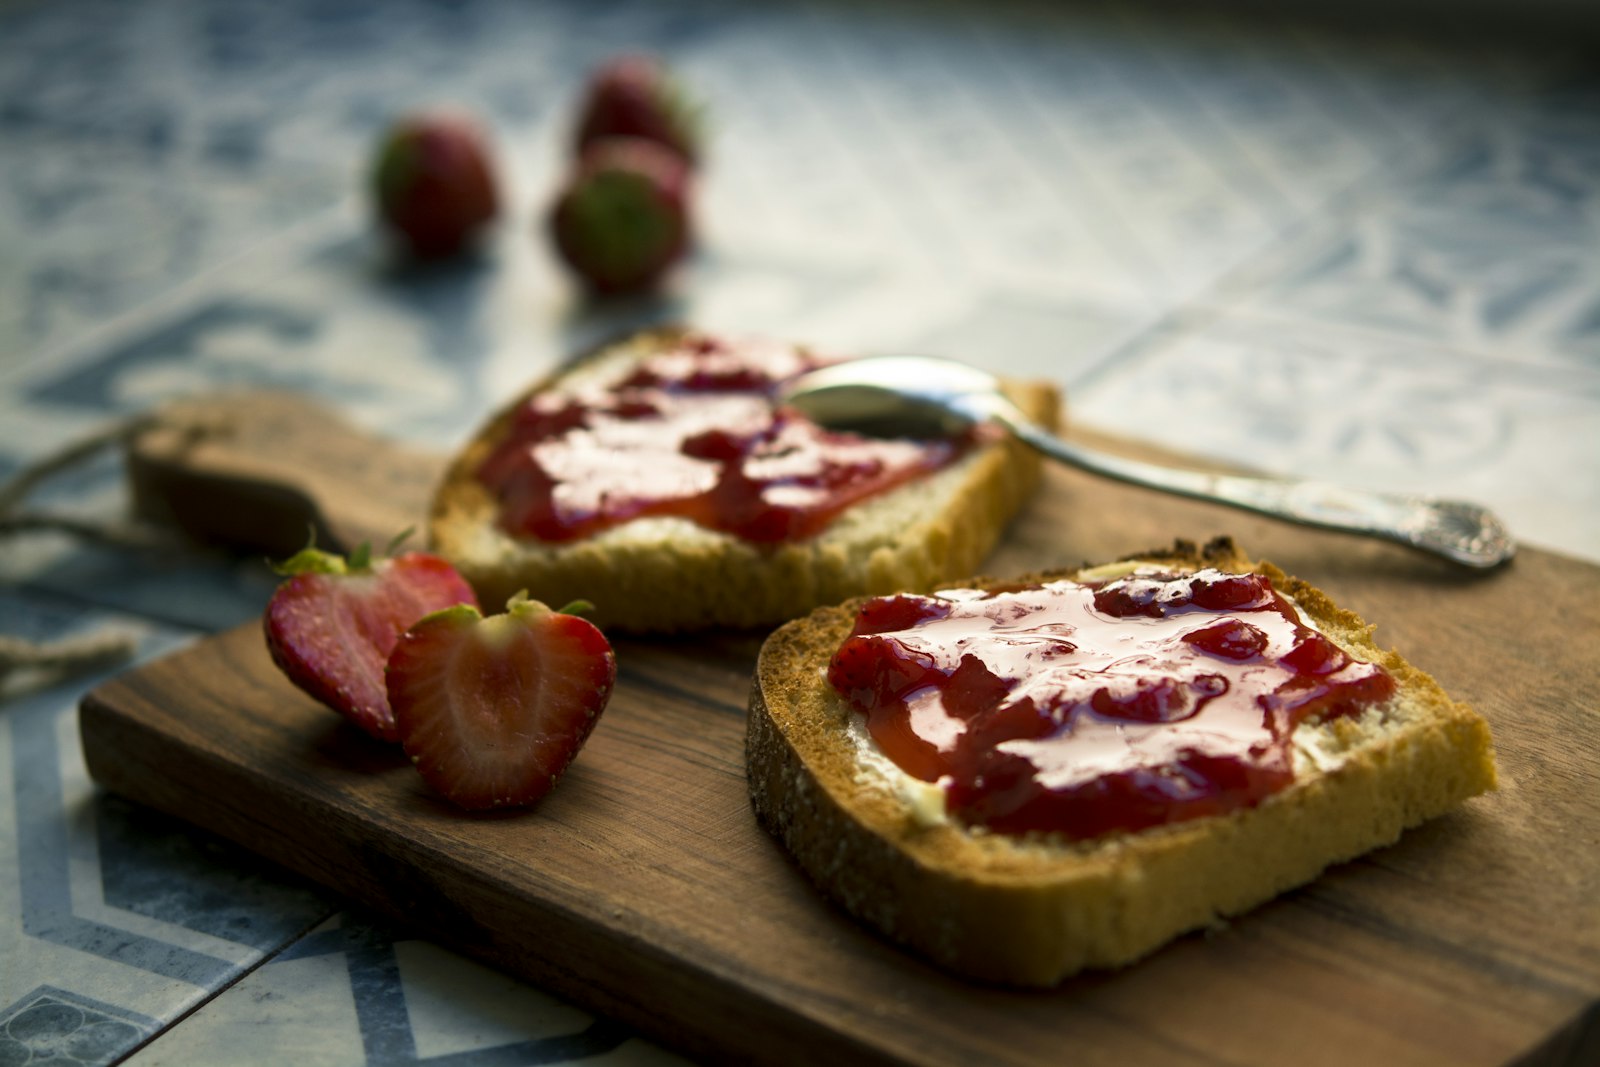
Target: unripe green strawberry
(622,219)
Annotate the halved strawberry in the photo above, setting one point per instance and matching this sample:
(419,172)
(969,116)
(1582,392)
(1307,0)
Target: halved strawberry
(331,625)
(492,709)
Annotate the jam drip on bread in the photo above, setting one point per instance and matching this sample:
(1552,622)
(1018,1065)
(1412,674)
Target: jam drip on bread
(1086,708)
(694,432)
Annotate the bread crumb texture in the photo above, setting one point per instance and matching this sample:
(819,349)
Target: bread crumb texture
(665,574)
(1033,910)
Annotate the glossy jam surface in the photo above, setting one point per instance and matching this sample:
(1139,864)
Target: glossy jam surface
(693,432)
(1087,708)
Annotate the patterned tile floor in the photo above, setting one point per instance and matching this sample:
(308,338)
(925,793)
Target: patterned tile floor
(1355,253)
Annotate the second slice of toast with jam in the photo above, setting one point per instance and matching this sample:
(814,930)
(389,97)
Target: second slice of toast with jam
(1023,779)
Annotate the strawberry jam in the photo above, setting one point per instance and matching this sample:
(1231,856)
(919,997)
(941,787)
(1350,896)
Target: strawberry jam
(1088,708)
(693,432)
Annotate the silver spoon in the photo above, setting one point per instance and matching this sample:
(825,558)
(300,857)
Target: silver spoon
(924,396)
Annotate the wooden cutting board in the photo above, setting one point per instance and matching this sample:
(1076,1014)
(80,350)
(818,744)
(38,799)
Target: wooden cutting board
(644,889)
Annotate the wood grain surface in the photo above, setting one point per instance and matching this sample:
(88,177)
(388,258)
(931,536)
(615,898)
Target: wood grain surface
(643,887)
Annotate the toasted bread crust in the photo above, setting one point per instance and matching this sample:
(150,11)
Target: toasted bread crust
(1032,911)
(665,575)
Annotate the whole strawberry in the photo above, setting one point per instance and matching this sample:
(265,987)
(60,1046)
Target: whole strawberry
(492,709)
(635,95)
(433,183)
(331,625)
(623,218)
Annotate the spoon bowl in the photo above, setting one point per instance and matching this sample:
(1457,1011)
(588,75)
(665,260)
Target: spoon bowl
(900,396)
(929,397)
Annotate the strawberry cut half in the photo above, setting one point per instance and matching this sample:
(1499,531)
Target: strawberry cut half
(493,709)
(331,625)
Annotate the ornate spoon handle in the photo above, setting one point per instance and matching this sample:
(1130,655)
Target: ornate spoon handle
(1466,533)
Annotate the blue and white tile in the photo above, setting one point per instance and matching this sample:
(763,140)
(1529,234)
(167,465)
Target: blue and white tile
(1123,180)
(1372,410)
(114,921)
(353,993)
(1487,244)
(183,135)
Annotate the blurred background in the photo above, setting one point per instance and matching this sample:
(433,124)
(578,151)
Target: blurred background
(1362,248)
(1360,244)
